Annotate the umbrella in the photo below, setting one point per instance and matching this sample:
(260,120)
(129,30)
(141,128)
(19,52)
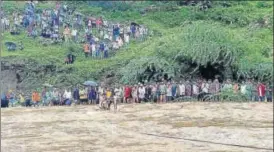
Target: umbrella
(106,40)
(47,85)
(134,24)
(90,83)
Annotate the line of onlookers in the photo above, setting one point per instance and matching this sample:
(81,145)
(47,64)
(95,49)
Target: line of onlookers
(155,92)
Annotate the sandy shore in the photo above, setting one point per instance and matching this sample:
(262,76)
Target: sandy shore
(176,127)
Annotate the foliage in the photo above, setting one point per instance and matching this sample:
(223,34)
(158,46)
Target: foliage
(180,39)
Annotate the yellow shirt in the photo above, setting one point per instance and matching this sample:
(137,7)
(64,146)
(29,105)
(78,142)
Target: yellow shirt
(22,99)
(108,94)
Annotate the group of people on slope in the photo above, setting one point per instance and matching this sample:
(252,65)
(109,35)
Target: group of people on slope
(61,24)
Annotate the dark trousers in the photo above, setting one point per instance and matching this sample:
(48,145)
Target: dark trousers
(4,103)
(86,54)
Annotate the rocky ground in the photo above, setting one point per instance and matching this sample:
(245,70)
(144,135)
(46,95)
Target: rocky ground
(176,127)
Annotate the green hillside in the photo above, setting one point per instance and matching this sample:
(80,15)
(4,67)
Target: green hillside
(237,41)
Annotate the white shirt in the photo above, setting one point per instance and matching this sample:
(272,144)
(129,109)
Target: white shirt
(120,42)
(169,91)
(142,92)
(93,47)
(106,36)
(118,92)
(115,45)
(3,21)
(195,89)
(67,95)
(182,89)
(7,22)
(74,32)
(243,89)
(134,93)
(205,87)
(101,90)
(126,36)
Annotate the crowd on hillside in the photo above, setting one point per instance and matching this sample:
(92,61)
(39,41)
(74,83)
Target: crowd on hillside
(157,92)
(64,24)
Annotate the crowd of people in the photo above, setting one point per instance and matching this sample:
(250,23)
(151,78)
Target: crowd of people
(64,24)
(155,92)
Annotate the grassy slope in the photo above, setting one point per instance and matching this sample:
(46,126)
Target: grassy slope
(166,23)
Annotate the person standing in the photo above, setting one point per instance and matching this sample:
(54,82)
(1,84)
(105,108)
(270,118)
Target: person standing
(169,92)
(134,94)
(182,89)
(174,90)
(216,89)
(74,34)
(127,93)
(188,89)
(117,97)
(163,91)
(76,95)
(261,91)
(195,90)
(86,50)
(67,33)
(249,90)
(35,98)
(67,97)
(142,92)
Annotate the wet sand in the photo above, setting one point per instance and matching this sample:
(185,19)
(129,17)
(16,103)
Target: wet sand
(175,127)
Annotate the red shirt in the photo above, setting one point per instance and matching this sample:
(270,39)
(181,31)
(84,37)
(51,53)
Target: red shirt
(98,22)
(261,90)
(127,92)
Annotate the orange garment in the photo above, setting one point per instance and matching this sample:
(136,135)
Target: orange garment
(86,48)
(35,97)
(67,31)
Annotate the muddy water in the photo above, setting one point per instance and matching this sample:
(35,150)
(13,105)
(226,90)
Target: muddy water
(145,127)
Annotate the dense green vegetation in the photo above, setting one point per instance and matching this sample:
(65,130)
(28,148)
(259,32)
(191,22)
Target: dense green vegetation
(236,39)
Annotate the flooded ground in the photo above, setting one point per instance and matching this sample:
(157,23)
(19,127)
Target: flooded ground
(176,127)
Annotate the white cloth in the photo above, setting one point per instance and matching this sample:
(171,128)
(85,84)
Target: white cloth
(243,89)
(126,36)
(67,95)
(101,91)
(142,92)
(169,91)
(74,32)
(118,92)
(182,89)
(134,93)
(195,89)
(205,87)
(120,42)
(93,48)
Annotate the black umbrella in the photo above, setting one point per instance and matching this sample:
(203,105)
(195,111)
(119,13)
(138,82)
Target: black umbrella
(134,24)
